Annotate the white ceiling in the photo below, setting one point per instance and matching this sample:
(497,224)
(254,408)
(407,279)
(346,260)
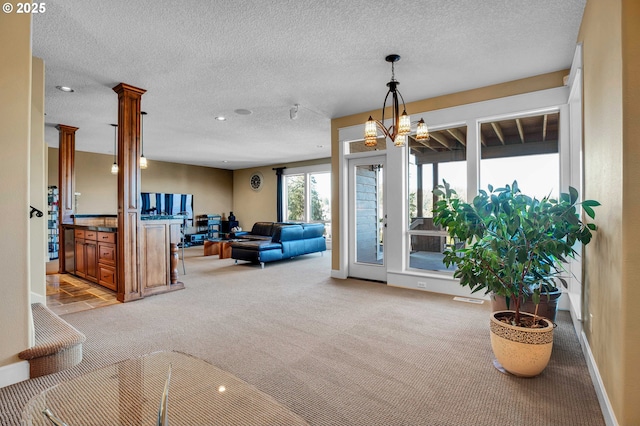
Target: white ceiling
(201,59)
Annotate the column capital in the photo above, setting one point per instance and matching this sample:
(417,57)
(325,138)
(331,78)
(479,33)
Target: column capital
(65,128)
(123,88)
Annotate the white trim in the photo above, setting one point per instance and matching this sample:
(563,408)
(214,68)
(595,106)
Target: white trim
(14,373)
(38,298)
(316,168)
(432,283)
(365,154)
(343,199)
(573,165)
(576,65)
(601,392)
(474,158)
(339,274)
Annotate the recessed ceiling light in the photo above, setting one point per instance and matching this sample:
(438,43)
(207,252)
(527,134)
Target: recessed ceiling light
(220,118)
(225,161)
(243,111)
(65,89)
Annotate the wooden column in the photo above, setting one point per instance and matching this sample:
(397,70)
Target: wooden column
(129,98)
(66,184)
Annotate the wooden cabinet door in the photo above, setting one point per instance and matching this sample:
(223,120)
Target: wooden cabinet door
(81,263)
(91,259)
(107,276)
(106,253)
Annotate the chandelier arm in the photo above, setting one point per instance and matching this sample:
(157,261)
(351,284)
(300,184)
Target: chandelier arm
(393,129)
(383,129)
(384,105)
(404,107)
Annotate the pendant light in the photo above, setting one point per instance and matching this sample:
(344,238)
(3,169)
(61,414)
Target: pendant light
(143,159)
(114,166)
(401,123)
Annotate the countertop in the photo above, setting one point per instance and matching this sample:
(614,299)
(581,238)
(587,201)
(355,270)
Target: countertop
(92,228)
(161,216)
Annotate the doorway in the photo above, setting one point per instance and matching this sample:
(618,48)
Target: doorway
(367,218)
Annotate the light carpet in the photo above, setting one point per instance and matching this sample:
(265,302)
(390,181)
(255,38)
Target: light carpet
(335,352)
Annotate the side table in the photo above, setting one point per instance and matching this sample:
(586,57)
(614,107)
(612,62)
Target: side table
(219,247)
(211,247)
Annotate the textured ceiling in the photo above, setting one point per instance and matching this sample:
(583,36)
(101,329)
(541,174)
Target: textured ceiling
(199,59)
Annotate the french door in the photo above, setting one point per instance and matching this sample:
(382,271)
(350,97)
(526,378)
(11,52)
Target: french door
(367,218)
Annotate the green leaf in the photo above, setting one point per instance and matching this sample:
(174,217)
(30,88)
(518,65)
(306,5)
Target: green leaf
(574,194)
(591,203)
(589,211)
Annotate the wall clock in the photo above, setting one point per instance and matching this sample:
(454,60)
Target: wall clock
(256,181)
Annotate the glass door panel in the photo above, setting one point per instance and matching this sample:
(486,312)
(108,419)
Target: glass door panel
(368,219)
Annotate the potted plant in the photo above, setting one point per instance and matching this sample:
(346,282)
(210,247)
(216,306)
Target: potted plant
(514,247)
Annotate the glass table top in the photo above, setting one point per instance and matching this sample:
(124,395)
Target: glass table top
(129,393)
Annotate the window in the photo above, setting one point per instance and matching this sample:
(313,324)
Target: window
(295,198)
(523,149)
(307,196)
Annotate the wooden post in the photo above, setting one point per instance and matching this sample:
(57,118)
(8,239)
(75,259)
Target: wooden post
(129,281)
(66,184)
(174,263)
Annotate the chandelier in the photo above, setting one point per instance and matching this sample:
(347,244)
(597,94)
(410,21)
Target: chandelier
(401,123)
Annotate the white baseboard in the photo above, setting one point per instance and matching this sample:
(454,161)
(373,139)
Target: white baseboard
(601,392)
(38,298)
(336,273)
(14,373)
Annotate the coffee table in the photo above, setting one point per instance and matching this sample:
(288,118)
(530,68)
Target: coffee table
(129,393)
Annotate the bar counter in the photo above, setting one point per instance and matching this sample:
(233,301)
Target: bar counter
(92,251)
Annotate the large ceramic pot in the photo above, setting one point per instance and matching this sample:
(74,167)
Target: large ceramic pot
(547,308)
(521,351)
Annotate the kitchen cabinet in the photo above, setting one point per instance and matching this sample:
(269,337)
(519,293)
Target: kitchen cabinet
(86,254)
(95,257)
(107,260)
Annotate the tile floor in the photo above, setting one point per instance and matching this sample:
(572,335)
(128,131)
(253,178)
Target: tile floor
(67,293)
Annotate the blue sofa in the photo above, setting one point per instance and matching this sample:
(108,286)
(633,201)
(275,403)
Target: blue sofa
(271,241)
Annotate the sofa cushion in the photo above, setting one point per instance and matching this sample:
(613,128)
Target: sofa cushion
(262,228)
(285,232)
(311,230)
(258,245)
(254,237)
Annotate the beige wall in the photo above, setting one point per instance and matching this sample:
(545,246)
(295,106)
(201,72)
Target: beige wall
(610,35)
(15,123)
(532,84)
(251,206)
(212,189)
